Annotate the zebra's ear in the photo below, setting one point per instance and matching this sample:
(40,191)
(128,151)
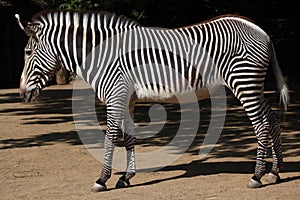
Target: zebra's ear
(17,16)
(29,29)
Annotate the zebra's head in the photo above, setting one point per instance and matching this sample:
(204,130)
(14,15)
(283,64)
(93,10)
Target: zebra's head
(40,63)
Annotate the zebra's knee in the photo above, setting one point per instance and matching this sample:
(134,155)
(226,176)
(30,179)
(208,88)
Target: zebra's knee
(127,141)
(130,141)
(116,136)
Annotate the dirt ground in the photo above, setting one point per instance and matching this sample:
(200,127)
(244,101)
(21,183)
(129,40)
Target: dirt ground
(42,156)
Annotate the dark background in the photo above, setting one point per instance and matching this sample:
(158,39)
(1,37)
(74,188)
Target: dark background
(280,19)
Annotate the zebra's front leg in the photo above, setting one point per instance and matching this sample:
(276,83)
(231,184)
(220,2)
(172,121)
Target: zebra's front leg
(113,137)
(130,171)
(129,142)
(107,167)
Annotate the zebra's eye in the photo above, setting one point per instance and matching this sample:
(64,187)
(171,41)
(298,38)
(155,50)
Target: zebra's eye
(28,52)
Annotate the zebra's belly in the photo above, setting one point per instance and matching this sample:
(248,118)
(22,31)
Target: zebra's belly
(168,97)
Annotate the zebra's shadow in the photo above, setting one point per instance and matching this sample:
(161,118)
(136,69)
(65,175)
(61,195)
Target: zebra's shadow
(231,143)
(200,168)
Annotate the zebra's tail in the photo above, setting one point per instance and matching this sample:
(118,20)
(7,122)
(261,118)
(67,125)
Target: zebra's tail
(283,89)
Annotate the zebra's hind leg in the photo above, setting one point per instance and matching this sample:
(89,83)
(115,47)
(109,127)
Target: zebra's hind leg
(260,166)
(107,166)
(273,176)
(265,125)
(249,91)
(258,112)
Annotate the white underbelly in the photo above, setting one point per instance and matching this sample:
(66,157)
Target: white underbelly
(168,97)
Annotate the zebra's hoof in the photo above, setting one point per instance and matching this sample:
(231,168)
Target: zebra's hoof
(254,184)
(98,188)
(122,184)
(272,178)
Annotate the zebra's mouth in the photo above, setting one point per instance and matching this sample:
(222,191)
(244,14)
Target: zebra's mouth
(29,96)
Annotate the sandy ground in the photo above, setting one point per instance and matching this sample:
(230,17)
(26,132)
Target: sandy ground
(42,156)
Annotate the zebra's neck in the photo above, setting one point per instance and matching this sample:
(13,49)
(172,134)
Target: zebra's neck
(77,36)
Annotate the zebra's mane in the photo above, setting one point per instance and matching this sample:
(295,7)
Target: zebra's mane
(109,15)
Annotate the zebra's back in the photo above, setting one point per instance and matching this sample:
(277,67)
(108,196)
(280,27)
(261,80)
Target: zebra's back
(162,63)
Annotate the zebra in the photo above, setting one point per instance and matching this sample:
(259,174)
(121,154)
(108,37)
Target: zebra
(137,62)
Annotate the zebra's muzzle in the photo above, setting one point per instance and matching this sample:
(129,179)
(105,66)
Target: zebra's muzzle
(30,95)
